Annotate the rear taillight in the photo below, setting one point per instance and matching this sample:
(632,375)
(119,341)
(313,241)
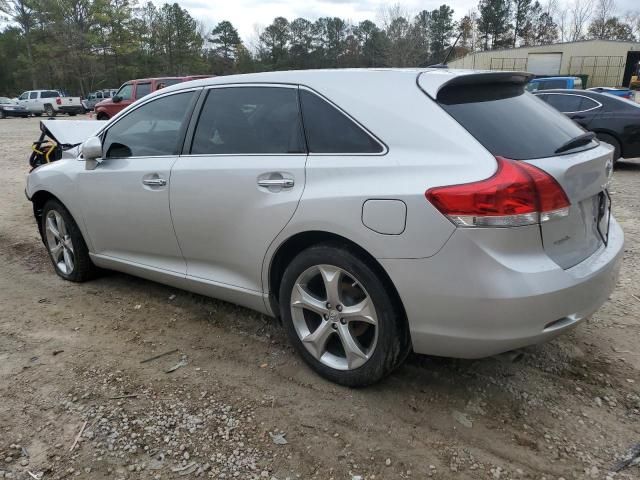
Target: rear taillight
(59,101)
(517,194)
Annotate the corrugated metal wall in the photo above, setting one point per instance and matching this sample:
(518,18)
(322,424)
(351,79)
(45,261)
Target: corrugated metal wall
(602,60)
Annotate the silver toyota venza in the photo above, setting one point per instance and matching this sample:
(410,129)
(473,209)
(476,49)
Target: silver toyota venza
(374,211)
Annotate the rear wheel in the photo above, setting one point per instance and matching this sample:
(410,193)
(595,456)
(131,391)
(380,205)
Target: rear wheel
(49,111)
(2,114)
(102,116)
(340,317)
(603,137)
(66,247)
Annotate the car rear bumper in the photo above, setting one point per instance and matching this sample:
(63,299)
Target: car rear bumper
(477,298)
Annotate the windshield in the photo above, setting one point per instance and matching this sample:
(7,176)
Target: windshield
(508,121)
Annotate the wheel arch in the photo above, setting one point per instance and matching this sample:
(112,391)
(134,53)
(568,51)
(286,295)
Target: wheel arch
(295,244)
(38,201)
(613,134)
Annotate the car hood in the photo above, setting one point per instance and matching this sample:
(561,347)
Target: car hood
(70,132)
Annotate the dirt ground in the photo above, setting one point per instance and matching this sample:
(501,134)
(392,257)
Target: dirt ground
(70,361)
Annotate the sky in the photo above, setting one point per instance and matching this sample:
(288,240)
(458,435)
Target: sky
(246,14)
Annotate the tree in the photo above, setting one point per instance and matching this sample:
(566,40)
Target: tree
(225,40)
(493,23)
(579,13)
(274,41)
(442,28)
(602,12)
(522,13)
(611,29)
(22,13)
(178,40)
(373,43)
(466,29)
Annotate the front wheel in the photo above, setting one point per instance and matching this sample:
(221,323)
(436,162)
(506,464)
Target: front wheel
(64,242)
(340,317)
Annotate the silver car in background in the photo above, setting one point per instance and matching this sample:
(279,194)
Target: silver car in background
(374,211)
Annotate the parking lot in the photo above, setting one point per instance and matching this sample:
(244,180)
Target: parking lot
(232,400)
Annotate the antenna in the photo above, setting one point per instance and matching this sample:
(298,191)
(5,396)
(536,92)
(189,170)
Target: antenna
(443,64)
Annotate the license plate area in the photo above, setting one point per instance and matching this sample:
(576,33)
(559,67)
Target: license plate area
(604,216)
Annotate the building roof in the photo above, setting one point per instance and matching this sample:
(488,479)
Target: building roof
(560,43)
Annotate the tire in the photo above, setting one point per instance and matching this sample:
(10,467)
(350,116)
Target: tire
(72,114)
(67,249)
(382,341)
(37,114)
(606,138)
(102,116)
(2,114)
(49,111)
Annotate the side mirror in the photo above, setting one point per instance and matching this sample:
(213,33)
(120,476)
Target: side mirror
(92,149)
(116,99)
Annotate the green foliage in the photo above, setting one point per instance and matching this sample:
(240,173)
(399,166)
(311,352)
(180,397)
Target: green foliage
(83,45)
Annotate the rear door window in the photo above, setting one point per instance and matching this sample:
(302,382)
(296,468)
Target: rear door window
(509,121)
(33,95)
(329,130)
(249,120)
(142,90)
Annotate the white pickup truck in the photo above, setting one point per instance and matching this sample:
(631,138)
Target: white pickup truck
(50,102)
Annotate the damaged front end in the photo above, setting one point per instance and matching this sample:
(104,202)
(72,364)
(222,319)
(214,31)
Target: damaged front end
(61,139)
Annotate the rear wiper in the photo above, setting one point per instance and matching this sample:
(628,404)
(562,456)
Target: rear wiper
(578,141)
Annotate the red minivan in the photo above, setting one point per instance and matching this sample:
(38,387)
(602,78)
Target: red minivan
(134,90)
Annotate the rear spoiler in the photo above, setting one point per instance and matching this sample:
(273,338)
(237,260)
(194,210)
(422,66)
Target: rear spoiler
(431,83)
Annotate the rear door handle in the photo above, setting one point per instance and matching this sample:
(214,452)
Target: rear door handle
(277,182)
(155,182)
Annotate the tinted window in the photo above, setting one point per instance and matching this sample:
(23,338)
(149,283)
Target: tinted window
(151,130)
(249,120)
(549,84)
(508,121)
(564,103)
(170,81)
(125,91)
(33,95)
(142,90)
(98,95)
(588,104)
(330,131)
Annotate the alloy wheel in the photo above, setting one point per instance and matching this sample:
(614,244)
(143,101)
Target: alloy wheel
(334,317)
(59,242)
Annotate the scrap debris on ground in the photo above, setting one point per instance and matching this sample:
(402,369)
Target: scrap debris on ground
(84,393)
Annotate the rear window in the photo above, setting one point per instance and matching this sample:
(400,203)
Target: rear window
(509,121)
(551,84)
(49,94)
(330,131)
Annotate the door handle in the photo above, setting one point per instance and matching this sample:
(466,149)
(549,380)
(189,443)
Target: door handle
(155,182)
(277,182)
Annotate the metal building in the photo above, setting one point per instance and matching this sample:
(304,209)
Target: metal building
(608,63)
